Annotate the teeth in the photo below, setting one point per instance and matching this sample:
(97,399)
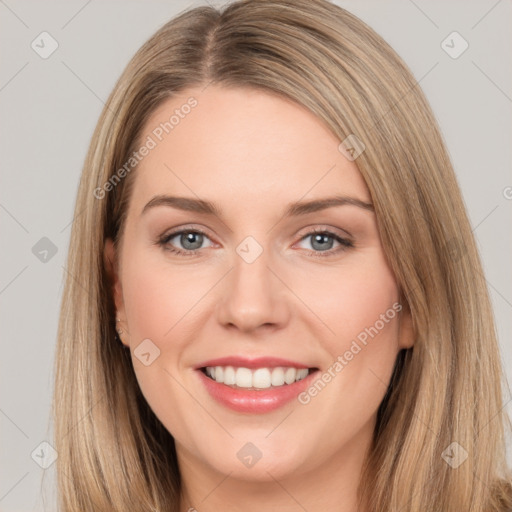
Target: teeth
(229,376)
(289,375)
(244,378)
(277,378)
(261,378)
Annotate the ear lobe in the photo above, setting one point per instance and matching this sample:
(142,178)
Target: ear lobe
(111,262)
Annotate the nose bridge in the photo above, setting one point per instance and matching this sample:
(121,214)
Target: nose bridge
(252,294)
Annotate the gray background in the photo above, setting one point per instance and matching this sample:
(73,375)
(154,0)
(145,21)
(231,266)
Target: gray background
(49,108)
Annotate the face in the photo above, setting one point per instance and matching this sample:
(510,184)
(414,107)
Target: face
(288,302)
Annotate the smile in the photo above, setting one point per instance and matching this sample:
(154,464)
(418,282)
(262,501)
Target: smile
(254,386)
(260,378)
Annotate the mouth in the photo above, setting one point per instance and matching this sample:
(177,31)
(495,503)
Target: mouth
(258,378)
(254,386)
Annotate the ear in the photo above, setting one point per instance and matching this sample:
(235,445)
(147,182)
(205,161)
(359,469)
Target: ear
(406,334)
(111,262)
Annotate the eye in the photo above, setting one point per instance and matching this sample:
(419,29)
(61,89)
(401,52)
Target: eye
(322,242)
(190,240)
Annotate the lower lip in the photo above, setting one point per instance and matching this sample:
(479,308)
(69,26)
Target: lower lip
(255,401)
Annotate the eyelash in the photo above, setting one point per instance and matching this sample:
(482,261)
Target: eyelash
(344,243)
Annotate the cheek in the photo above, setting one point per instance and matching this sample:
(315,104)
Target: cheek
(350,299)
(157,297)
(159,304)
(360,310)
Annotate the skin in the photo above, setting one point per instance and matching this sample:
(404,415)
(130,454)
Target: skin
(288,303)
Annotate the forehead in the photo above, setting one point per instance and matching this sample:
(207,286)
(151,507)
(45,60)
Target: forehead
(233,145)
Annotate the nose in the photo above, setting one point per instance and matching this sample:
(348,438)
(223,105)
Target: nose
(253,297)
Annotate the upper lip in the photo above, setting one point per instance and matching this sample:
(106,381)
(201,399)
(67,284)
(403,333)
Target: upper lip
(258,362)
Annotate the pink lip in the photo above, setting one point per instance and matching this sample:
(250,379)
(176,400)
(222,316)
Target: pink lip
(259,362)
(254,401)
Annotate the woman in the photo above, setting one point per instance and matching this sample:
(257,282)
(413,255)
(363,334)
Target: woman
(284,308)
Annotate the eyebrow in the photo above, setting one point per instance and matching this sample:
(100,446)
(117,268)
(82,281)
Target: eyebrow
(190,204)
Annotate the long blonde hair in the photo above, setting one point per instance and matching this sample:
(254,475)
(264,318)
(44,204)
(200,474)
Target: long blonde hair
(114,454)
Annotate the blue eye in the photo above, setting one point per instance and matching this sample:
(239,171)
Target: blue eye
(322,242)
(191,241)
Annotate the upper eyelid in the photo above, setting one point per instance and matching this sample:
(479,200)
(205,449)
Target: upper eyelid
(342,233)
(172,233)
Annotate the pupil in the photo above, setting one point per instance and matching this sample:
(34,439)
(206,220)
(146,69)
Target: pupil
(323,240)
(188,239)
